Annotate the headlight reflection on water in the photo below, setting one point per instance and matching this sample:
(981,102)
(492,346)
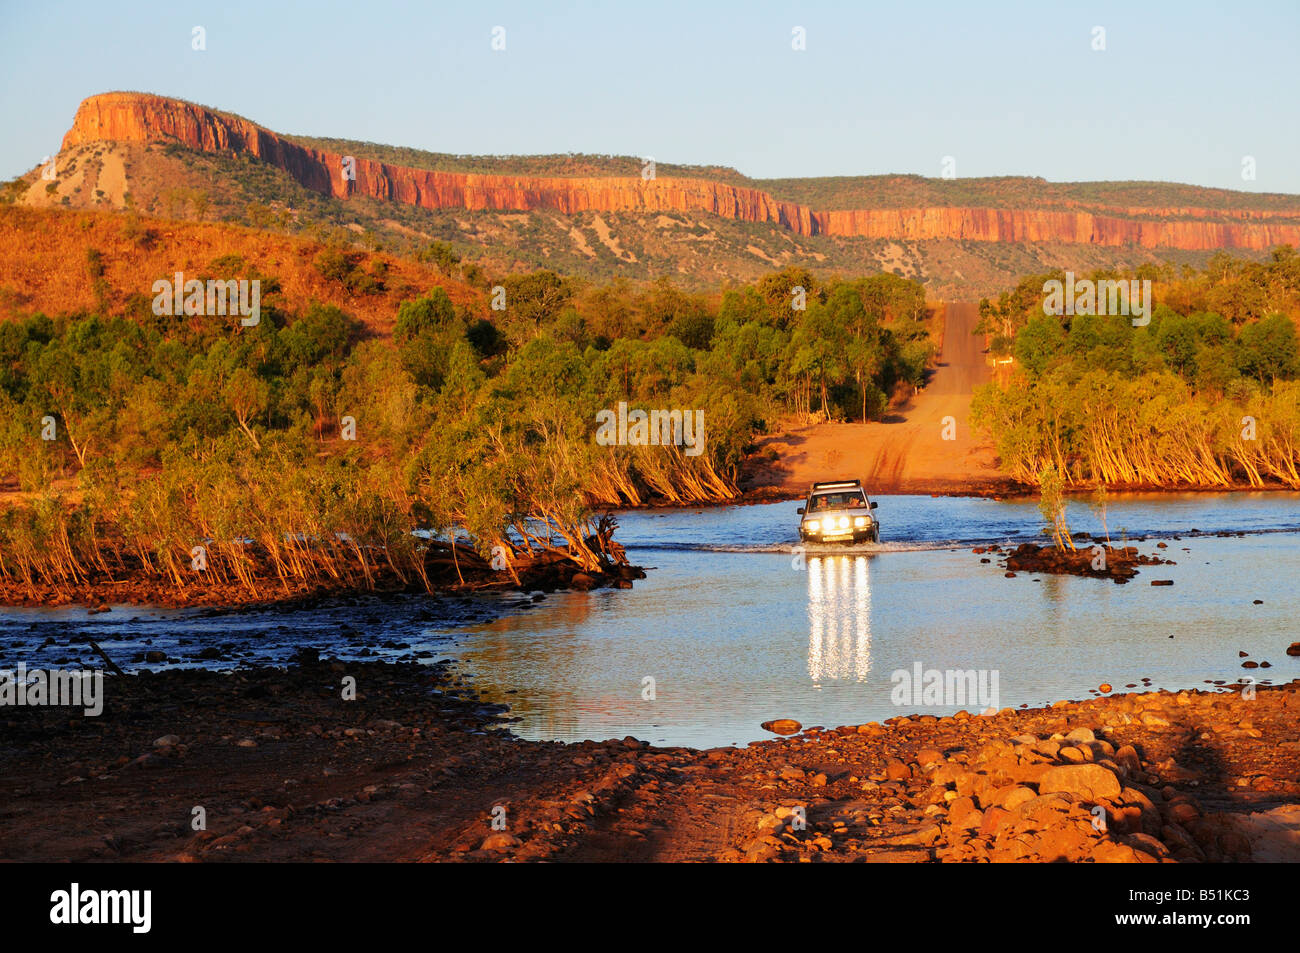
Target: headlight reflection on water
(839,618)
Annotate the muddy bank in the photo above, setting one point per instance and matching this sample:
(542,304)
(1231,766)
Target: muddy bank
(466,572)
(418,767)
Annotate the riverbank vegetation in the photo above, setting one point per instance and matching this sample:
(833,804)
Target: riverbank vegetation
(1204,395)
(301,452)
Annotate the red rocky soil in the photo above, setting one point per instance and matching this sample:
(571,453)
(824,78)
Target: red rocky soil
(285,769)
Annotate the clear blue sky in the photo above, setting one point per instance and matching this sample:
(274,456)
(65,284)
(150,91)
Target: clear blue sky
(1182,92)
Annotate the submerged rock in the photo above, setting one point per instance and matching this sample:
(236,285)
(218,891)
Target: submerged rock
(781,726)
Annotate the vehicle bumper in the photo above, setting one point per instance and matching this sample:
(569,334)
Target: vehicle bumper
(848,536)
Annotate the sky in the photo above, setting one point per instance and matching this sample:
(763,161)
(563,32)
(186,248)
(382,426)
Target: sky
(1181,92)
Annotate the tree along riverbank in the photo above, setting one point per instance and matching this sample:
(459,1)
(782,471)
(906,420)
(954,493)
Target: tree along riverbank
(1202,392)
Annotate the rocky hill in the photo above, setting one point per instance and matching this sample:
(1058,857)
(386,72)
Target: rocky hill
(83,262)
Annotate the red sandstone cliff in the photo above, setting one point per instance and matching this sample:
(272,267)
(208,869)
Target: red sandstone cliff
(143,118)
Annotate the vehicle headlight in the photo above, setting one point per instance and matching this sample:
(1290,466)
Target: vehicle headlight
(859,521)
(813,525)
(844,522)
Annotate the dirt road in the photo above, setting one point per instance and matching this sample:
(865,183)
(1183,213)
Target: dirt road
(926,446)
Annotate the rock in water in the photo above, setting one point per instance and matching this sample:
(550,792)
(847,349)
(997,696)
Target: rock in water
(781,726)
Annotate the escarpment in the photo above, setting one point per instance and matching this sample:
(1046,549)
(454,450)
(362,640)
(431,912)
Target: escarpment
(134,117)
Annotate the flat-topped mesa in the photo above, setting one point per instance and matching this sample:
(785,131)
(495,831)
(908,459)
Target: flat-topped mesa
(137,117)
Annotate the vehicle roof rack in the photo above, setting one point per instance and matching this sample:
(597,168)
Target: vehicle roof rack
(837,485)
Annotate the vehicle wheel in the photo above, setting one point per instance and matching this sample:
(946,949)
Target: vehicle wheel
(875,536)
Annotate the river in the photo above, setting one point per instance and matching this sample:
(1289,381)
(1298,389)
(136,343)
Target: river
(731,628)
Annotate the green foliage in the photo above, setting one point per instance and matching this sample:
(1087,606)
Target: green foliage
(532,300)
(338,264)
(426,329)
(1053,505)
(202,429)
(441,255)
(1268,349)
(1099,400)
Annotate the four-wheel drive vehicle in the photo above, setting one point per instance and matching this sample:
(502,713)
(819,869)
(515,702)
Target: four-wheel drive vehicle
(838,513)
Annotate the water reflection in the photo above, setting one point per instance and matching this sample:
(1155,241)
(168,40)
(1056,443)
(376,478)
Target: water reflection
(839,618)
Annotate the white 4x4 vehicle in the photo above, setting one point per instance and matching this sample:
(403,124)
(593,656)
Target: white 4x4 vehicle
(838,513)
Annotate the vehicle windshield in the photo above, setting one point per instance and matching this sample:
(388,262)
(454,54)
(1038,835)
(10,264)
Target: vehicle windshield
(837,501)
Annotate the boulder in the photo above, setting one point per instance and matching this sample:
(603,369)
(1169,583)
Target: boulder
(928,756)
(501,840)
(895,770)
(1012,796)
(1090,782)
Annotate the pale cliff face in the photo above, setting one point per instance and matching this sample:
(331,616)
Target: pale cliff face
(142,118)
